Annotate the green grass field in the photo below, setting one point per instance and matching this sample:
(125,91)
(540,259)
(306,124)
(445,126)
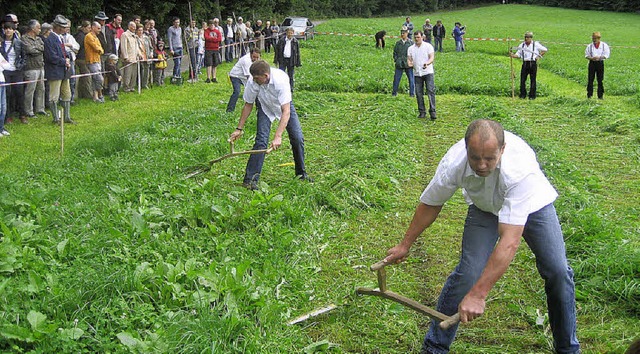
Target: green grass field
(109,248)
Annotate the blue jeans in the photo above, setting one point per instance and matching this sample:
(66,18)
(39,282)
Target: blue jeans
(236,83)
(229,49)
(459,46)
(177,61)
(3,105)
(421,82)
(294,130)
(543,235)
(396,80)
(438,42)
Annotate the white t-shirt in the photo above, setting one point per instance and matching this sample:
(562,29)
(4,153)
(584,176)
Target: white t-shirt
(272,95)
(420,56)
(515,189)
(11,55)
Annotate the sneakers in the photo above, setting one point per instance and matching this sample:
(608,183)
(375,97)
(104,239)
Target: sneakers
(97,100)
(4,133)
(9,120)
(208,81)
(24,120)
(422,115)
(214,80)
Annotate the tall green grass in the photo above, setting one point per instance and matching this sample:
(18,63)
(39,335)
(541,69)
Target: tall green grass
(109,249)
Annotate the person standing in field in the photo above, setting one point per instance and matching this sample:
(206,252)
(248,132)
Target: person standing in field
(287,55)
(212,39)
(439,32)
(458,36)
(509,198)
(530,51)
(597,52)
(427,29)
(401,63)
(269,89)
(408,25)
(422,56)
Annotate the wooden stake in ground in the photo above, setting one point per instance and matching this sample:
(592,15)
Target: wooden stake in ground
(513,75)
(61,120)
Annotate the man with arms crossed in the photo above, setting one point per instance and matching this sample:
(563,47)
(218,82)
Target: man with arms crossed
(509,197)
(269,89)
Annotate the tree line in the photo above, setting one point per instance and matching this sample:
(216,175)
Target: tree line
(163,11)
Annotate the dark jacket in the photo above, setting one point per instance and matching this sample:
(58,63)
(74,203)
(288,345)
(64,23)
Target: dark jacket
(80,39)
(18,48)
(225,30)
(439,31)
(107,40)
(295,52)
(400,54)
(54,58)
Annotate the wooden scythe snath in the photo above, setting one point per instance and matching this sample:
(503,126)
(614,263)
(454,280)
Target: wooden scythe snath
(231,153)
(445,321)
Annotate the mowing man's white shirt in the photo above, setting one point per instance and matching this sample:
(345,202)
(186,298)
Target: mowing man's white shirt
(241,69)
(272,95)
(420,55)
(515,189)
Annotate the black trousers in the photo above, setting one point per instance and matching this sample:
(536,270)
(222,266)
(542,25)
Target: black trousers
(596,70)
(529,68)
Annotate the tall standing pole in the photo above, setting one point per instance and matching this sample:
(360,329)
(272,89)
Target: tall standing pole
(513,75)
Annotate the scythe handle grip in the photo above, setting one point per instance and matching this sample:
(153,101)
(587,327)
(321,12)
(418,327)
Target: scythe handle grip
(446,324)
(378,266)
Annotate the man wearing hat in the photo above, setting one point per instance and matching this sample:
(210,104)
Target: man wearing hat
(530,51)
(56,70)
(596,53)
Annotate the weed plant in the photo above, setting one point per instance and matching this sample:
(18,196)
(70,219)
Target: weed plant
(109,248)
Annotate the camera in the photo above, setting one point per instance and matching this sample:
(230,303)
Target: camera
(463,27)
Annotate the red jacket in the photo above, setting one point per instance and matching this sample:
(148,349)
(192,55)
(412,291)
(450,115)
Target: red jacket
(212,39)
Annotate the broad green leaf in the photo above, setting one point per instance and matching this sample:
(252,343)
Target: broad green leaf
(62,246)
(128,340)
(71,333)
(11,331)
(36,319)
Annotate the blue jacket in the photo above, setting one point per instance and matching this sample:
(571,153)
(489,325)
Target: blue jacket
(54,59)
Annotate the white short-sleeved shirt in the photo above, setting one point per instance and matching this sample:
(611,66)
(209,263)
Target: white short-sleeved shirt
(420,55)
(515,189)
(272,95)
(241,69)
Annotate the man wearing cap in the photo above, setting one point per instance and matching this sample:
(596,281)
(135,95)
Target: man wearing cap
(596,53)
(401,63)
(530,51)
(93,52)
(56,70)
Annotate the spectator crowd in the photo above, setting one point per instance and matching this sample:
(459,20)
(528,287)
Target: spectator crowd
(46,67)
